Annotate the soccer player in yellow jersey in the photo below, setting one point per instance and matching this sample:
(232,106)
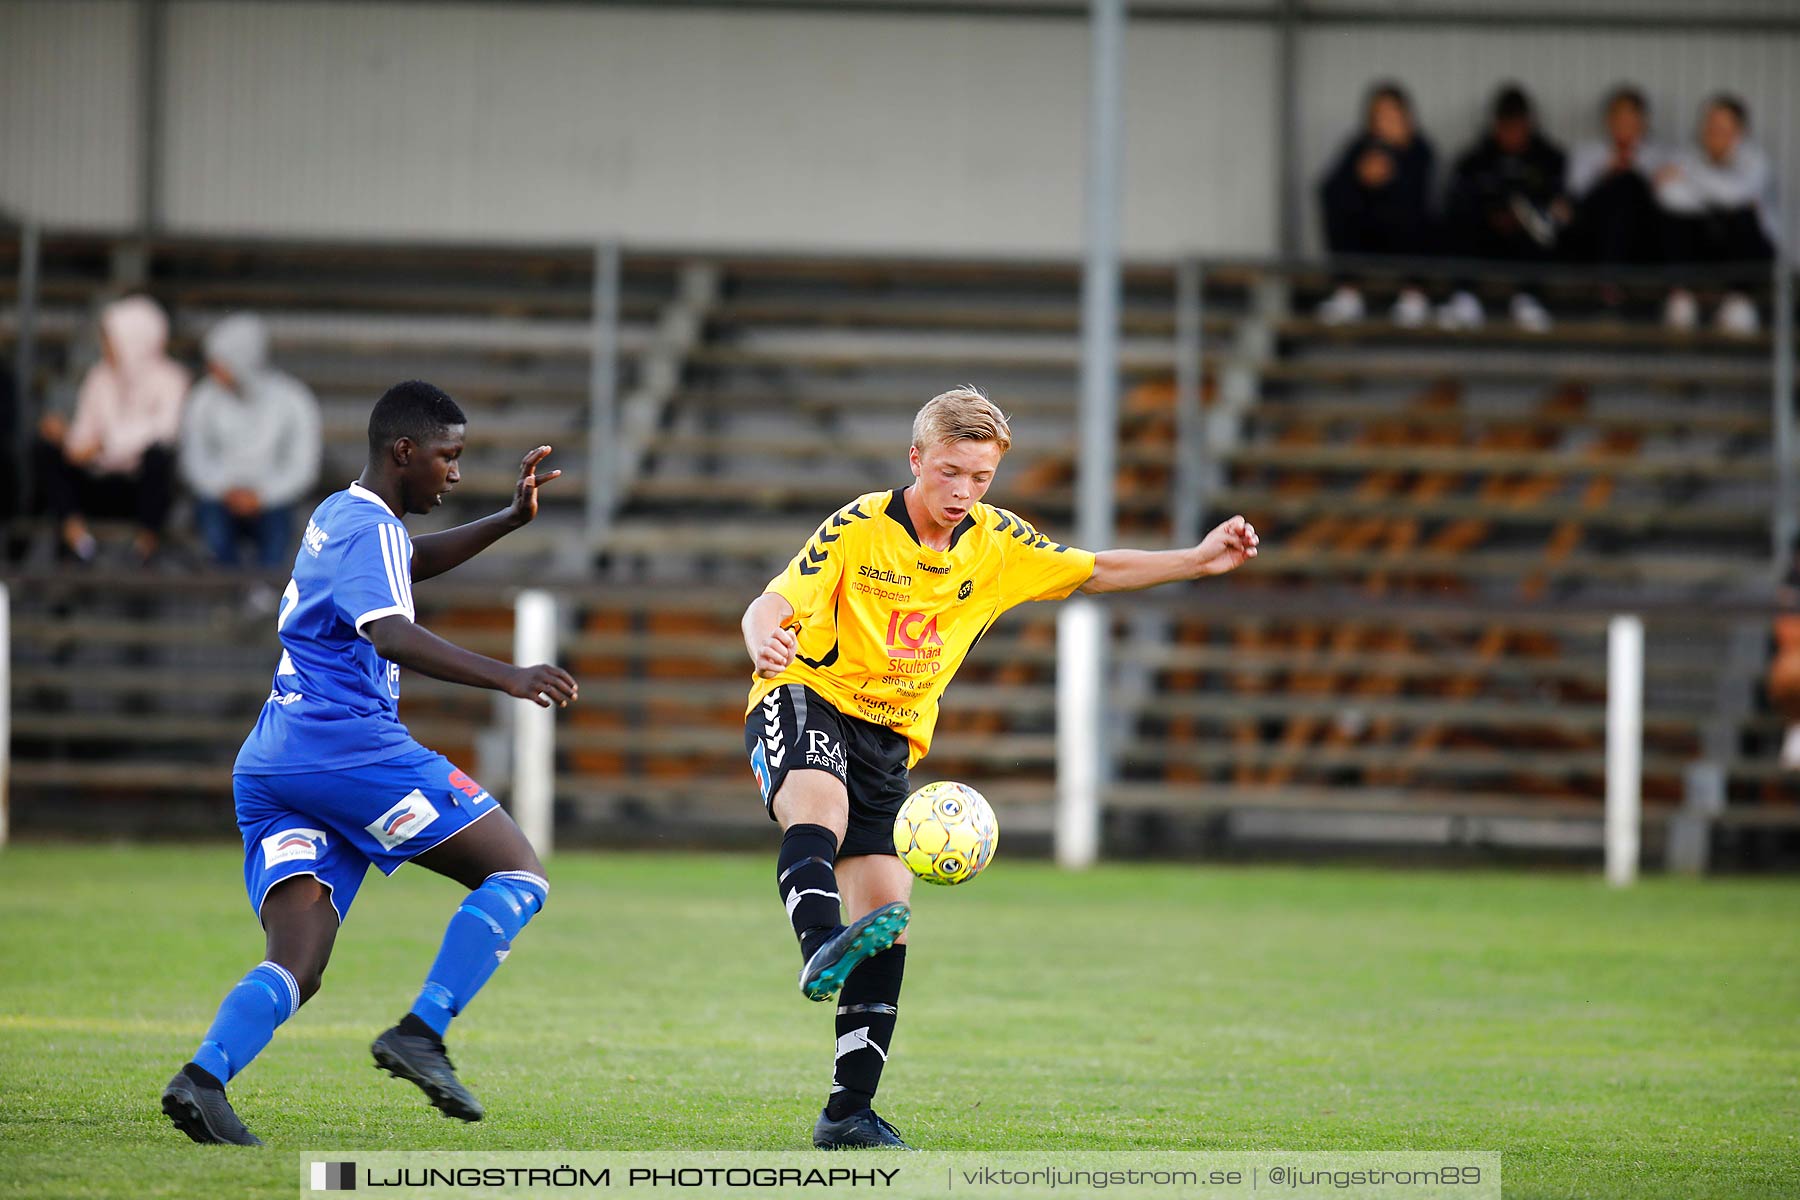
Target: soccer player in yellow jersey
(853,644)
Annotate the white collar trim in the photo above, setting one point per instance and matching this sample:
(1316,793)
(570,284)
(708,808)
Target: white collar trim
(363,493)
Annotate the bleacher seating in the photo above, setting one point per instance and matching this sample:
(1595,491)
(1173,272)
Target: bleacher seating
(1417,656)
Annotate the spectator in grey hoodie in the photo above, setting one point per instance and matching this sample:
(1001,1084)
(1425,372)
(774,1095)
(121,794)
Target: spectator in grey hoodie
(250,447)
(1718,200)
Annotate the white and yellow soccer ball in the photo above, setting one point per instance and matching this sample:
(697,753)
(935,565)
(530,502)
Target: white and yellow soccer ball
(946,833)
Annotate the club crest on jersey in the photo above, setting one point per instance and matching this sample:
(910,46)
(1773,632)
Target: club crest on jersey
(966,590)
(403,821)
(292,845)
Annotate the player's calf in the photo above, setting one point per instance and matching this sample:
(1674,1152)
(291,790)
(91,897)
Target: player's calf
(830,965)
(477,941)
(195,1099)
(868,1008)
(805,877)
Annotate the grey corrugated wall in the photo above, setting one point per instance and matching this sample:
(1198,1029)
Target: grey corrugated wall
(68,111)
(860,131)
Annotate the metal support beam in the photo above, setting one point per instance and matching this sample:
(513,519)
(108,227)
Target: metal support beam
(603,399)
(153,38)
(1287,126)
(1082,760)
(1099,422)
(25,362)
(1782,527)
(1189,475)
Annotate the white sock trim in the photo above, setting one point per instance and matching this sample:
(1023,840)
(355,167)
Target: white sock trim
(287,977)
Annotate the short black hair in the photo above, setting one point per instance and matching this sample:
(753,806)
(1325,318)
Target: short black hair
(1511,103)
(413,409)
(1734,105)
(1388,89)
(1627,93)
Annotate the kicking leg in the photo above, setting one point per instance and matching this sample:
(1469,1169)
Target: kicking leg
(867,1010)
(300,927)
(813,809)
(507,888)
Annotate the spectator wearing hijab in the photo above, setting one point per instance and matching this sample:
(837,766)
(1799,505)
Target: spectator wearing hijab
(1377,200)
(1718,198)
(116,457)
(1505,202)
(250,446)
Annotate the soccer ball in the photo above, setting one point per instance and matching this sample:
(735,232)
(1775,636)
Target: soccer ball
(946,833)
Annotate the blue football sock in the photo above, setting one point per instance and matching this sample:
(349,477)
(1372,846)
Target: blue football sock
(480,934)
(247,1019)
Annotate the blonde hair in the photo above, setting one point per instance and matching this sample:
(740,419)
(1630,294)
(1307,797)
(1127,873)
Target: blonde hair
(962,414)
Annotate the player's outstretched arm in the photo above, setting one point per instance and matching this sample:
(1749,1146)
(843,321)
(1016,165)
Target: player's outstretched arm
(1226,548)
(771,646)
(418,649)
(436,553)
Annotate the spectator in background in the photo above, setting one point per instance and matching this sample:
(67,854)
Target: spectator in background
(1616,220)
(1505,202)
(1377,200)
(116,457)
(1782,683)
(250,447)
(1718,200)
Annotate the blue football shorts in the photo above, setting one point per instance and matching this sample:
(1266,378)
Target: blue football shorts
(333,824)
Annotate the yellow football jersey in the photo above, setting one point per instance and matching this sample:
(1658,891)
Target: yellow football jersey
(883,622)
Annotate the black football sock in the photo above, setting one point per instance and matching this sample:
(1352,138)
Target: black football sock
(867,1009)
(415,1025)
(807,880)
(202,1077)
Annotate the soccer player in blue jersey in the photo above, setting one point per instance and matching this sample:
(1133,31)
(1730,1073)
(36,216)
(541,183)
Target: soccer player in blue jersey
(330,781)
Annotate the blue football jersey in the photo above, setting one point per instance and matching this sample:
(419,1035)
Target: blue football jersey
(335,702)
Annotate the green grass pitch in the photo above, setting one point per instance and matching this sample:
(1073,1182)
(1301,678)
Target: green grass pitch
(1640,1043)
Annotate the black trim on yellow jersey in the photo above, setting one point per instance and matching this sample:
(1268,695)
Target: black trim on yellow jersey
(897,510)
(831,655)
(812,559)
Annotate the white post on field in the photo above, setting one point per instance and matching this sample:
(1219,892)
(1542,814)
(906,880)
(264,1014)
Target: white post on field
(534,728)
(1624,746)
(5,710)
(1080,641)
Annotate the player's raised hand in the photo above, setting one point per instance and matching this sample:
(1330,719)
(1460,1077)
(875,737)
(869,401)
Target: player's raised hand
(773,656)
(1230,545)
(525,498)
(543,685)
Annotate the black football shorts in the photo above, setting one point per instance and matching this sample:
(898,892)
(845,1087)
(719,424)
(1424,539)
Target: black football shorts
(793,728)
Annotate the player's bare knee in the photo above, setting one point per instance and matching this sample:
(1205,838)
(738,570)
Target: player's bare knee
(810,797)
